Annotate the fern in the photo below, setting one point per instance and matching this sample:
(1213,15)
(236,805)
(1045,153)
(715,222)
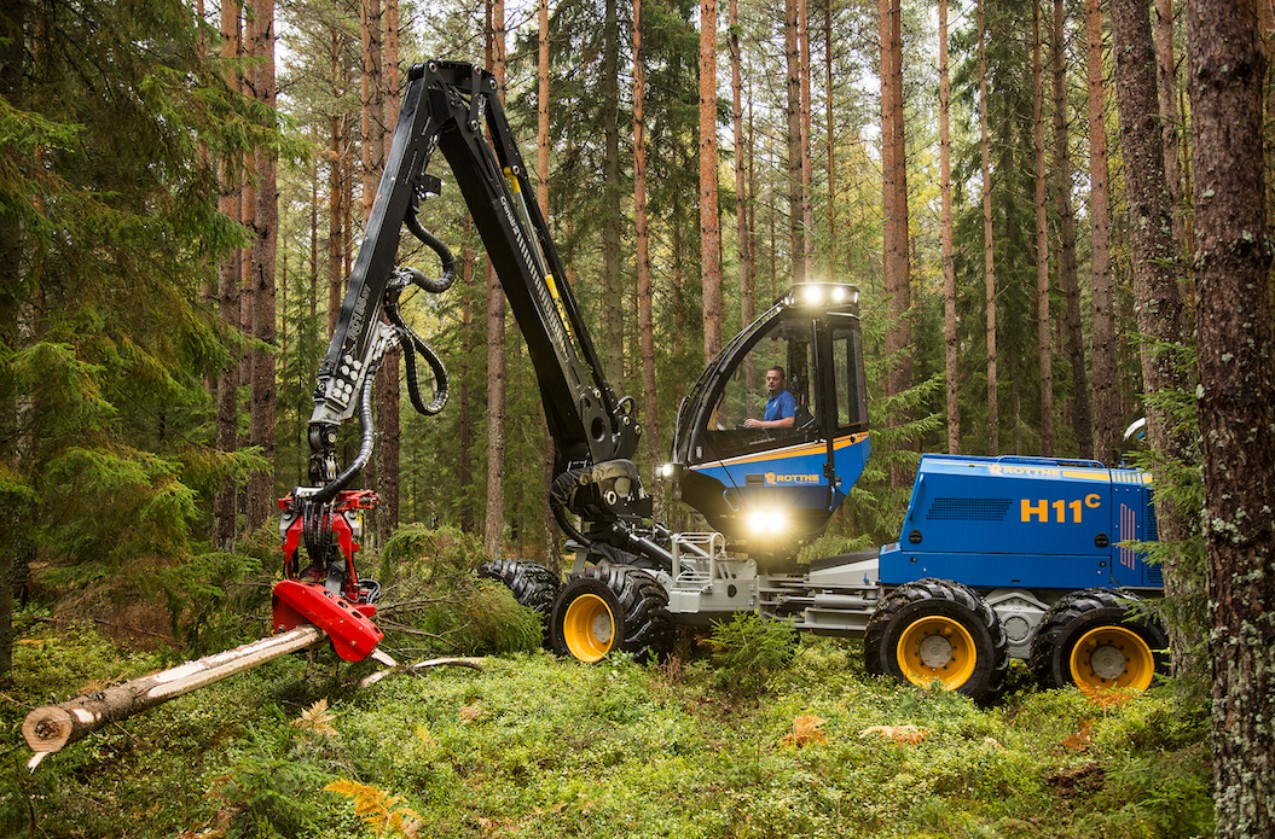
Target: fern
(378,809)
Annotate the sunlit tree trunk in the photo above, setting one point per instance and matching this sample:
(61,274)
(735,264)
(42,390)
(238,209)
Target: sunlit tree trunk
(646,301)
(830,118)
(896,256)
(807,202)
(1237,378)
(612,247)
(950,346)
(1043,348)
(1167,88)
(390,450)
(989,260)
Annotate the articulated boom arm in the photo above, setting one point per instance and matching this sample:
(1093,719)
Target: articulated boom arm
(454,108)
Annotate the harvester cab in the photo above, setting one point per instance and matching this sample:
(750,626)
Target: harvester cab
(768,488)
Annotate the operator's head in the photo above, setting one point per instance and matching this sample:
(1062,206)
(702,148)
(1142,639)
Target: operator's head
(774,380)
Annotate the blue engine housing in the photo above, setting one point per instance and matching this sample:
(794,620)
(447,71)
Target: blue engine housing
(1025,522)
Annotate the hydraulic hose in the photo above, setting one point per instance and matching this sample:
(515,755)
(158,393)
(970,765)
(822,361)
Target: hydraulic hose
(366,440)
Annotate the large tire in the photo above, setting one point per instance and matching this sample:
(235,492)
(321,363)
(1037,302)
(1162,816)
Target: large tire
(531,584)
(1091,639)
(611,609)
(938,629)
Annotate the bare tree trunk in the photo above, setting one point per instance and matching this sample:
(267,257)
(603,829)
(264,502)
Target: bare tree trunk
(989,260)
(709,225)
(896,251)
(612,247)
(1237,378)
(830,117)
(465,420)
(1167,88)
(1079,410)
(264,247)
(646,302)
(796,202)
(950,346)
(336,191)
(1042,246)
(228,289)
(1158,301)
(494,526)
(1106,399)
(807,204)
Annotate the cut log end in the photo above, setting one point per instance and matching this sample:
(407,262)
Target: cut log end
(48,729)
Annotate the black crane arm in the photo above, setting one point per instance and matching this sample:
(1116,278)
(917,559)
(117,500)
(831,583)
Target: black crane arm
(446,107)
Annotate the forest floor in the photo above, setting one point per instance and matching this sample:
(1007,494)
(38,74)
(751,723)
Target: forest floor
(533,746)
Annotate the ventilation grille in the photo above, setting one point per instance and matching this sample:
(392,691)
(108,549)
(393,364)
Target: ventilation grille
(968,509)
(1152,528)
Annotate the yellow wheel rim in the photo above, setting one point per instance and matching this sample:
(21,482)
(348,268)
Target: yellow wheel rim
(940,648)
(588,628)
(1112,657)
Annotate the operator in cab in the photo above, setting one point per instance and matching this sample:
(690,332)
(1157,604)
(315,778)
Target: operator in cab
(781,406)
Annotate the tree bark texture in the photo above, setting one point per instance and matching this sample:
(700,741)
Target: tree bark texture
(228,290)
(1043,347)
(262,395)
(1079,410)
(1106,396)
(1159,306)
(710,230)
(612,246)
(389,452)
(989,259)
(646,300)
(950,344)
(1167,89)
(542,198)
(52,727)
(1237,415)
(896,253)
(796,202)
(807,200)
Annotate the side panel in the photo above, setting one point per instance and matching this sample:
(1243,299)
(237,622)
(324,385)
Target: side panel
(1021,522)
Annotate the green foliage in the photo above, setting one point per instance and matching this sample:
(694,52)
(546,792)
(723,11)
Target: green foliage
(434,603)
(541,747)
(748,652)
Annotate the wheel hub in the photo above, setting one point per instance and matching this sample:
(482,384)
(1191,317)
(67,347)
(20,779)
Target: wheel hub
(936,651)
(1108,663)
(1112,656)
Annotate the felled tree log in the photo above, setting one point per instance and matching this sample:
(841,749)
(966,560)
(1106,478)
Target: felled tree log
(51,727)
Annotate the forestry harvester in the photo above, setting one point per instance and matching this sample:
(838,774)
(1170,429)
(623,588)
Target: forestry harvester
(997,557)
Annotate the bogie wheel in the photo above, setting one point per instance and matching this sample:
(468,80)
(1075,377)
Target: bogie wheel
(938,629)
(611,609)
(531,584)
(1092,640)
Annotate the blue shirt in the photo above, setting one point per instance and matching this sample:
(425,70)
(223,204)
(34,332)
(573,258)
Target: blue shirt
(781,406)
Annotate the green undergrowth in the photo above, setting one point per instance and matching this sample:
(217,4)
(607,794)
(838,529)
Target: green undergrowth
(534,746)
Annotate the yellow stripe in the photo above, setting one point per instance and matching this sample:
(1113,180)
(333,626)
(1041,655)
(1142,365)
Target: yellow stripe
(797,451)
(1087,475)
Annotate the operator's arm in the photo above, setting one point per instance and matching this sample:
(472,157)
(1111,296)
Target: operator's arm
(787,409)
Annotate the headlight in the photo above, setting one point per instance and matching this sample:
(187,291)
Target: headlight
(767,522)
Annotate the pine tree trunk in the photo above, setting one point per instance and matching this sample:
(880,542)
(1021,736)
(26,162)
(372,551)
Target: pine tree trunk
(494,523)
(1106,395)
(1158,301)
(950,345)
(830,118)
(228,289)
(612,247)
(646,302)
(465,395)
(1237,378)
(1073,344)
(264,247)
(1167,88)
(989,260)
(710,232)
(796,212)
(896,250)
(807,204)
(1043,348)
(336,190)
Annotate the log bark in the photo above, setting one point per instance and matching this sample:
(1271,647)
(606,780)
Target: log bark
(52,727)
